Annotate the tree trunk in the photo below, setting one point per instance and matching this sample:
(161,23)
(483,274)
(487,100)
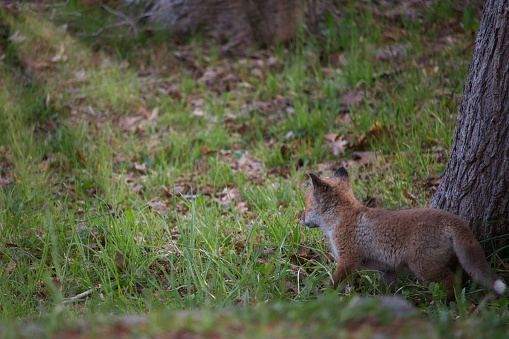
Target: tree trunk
(241,21)
(475,185)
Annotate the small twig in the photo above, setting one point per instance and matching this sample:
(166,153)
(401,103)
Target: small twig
(502,262)
(96,33)
(81,295)
(62,13)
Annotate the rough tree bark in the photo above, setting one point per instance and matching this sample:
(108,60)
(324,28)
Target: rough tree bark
(475,185)
(242,21)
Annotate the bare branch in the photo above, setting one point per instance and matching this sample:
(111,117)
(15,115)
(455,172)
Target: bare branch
(8,4)
(127,20)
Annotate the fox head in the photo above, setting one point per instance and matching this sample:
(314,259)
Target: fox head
(326,197)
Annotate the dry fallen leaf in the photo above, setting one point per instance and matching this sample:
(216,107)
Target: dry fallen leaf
(4,181)
(330,137)
(209,77)
(230,78)
(365,158)
(344,120)
(292,287)
(129,123)
(289,135)
(136,189)
(60,55)
(227,196)
(198,112)
(439,154)
(35,65)
(16,37)
(337,143)
(433,180)
(337,59)
(157,205)
(390,52)
(410,196)
(174,92)
(351,98)
(377,131)
(206,150)
(142,168)
(121,260)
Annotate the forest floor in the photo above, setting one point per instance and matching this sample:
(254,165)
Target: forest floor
(152,187)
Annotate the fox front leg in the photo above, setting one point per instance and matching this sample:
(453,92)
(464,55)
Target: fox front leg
(344,269)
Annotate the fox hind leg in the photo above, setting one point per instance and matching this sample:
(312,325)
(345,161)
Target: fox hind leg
(389,281)
(441,275)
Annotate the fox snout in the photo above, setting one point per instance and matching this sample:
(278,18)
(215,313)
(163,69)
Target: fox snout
(302,219)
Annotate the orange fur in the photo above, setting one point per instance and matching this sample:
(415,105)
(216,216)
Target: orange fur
(431,243)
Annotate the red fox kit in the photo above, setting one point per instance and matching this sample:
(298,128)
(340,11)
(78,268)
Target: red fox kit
(431,243)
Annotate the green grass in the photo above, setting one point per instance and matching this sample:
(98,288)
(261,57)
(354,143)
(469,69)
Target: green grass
(124,172)
(325,317)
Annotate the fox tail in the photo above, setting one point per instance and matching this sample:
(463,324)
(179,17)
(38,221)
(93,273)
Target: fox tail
(471,257)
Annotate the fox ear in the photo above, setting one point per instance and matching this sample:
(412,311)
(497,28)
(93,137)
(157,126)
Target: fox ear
(341,173)
(318,184)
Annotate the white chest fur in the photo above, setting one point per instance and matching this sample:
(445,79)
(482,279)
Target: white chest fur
(333,246)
